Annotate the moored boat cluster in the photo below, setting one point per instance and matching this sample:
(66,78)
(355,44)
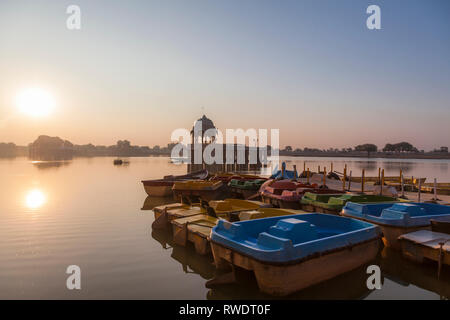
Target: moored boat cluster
(294,231)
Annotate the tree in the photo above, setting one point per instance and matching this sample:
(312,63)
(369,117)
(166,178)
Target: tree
(288,148)
(400,147)
(368,147)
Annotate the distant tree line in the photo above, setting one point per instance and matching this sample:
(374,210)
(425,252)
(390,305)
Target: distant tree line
(401,147)
(11,150)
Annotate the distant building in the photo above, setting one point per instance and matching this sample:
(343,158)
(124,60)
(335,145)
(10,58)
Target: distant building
(444,149)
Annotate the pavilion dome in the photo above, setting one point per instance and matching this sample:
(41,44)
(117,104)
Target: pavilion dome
(206,124)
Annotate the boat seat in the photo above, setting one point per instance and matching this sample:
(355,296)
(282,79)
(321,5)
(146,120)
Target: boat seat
(295,230)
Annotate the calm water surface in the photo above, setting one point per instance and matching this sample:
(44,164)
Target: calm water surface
(87,212)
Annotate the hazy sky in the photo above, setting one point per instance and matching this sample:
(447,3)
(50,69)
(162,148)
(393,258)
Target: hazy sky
(140,69)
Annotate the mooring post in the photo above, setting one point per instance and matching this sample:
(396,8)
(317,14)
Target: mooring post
(324,176)
(331,167)
(435,189)
(402,183)
(420,187)
(379,175)
(344,178)
(350,180)
(307,176)
(304,167)
(362,180)
(382,182)
(318,169)
(295,172)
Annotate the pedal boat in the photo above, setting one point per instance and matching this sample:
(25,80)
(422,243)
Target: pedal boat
(396,219)
(284,194)
(245,188)
(228,209)
(332,203)
(197,228)
(288,254)
(431,245)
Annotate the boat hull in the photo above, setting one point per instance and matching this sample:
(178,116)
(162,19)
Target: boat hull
(196,231)
(420,246)
(284,279)
(158,191)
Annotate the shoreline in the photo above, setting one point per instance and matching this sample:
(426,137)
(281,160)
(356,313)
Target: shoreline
(364,155)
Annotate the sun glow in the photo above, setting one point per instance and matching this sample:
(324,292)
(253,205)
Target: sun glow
(35,199)
(35,102)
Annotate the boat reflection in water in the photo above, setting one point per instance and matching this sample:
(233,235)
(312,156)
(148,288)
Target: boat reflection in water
(151,202)
(351,285)
(43,165)
(405,273)
(190,261)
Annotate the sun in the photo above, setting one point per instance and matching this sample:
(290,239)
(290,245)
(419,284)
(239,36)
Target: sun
(35,199)
(35,102)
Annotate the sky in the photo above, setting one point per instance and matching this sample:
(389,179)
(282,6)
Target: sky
(138,70)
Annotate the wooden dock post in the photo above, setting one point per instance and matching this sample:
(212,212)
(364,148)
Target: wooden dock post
(324,176)
(331,167)
(350,181)
(304,167)
(402,183)
(318,169)
(400,176)
(307,176)
(379,175)
(435,189)
(344,178)
(362,180)
(420,187)
(382,182)
(295,172)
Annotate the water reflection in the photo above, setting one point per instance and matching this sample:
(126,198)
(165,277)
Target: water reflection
(42,165)
(151,202)
(35,199)
(351,285)
(404,272)
(189,260)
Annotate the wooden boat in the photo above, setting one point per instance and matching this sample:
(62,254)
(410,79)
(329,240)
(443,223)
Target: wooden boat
(396,219)
(197,228)
(389,180)
(163,187)
(226,177)
(205,190)
(332,203)
(441,188)
(288,254)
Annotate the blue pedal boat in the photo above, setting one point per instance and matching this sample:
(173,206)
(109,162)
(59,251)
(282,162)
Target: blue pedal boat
(290,253)
(396,219)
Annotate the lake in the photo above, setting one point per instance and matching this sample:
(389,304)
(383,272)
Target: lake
(87,212)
